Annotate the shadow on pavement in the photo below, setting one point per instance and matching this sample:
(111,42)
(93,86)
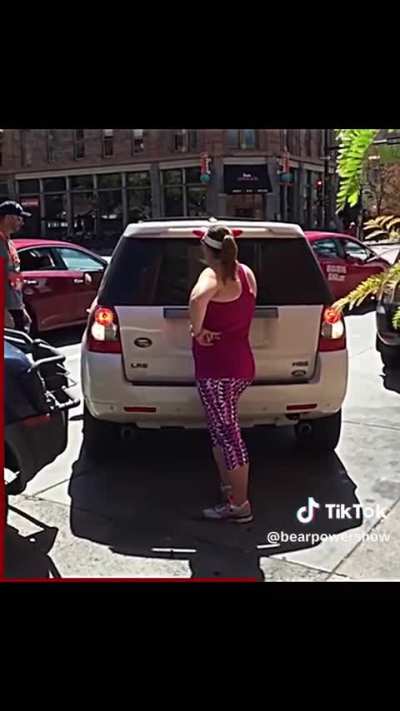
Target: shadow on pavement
(26,557)
(150,497)
(64,336)
(391,379)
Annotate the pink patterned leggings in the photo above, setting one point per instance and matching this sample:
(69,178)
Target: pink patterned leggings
(220,400)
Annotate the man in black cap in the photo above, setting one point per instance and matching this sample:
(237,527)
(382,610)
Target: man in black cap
(11,220)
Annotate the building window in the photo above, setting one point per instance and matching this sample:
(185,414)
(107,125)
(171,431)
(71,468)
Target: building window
(195,193)
(293,140)
(55,206)
(137,140)
(51,144)
(55,211)
(83,205)
(184,194)
(241,138)
(79,143)
(308,141)
(26,153)
(52,185)
(172,181)
(4,194)
(232,137)
(108,142)
(110,213)
(28,187)
(184,140)
(138,196)
(31,203)
(248,138)
(109,200)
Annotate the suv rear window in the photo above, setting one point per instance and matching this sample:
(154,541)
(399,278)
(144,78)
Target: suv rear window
(162,272)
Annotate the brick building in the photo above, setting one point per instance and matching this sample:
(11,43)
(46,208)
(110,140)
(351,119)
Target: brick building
(95,181)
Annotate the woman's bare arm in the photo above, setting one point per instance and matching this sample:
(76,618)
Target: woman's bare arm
(202,293)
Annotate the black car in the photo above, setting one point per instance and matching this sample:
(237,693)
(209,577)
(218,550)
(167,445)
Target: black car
(388,338)
(37,400)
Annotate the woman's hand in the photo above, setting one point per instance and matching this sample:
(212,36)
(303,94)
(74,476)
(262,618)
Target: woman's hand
(206,337)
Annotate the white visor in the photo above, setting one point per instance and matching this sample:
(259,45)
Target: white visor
(212,242)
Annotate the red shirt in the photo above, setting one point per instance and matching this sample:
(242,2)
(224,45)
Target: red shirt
(230,356)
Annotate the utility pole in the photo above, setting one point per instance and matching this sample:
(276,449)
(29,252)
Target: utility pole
(326,191)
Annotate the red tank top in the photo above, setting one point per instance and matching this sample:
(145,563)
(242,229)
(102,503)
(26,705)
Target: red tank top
(231,355)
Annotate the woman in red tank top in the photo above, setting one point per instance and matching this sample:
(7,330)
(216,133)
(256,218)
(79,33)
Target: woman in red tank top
(221,310)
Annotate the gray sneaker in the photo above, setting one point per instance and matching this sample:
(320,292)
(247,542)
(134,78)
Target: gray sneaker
(229,512)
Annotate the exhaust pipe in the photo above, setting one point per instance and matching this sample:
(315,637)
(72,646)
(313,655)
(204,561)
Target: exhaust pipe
(128,433)
(304,428)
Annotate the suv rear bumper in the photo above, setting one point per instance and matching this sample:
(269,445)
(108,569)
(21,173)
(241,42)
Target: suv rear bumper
(107,394)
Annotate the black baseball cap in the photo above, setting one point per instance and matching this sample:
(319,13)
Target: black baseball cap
(10,207)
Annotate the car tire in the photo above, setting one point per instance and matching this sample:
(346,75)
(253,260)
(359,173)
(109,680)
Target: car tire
(99,436)
(321,434)
(390,355)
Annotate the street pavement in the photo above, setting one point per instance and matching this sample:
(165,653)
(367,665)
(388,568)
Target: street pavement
(138,514)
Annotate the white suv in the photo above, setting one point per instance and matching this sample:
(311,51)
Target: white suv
(137,367)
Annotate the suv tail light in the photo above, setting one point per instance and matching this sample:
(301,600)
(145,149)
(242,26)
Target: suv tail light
(333,331)
(103,331)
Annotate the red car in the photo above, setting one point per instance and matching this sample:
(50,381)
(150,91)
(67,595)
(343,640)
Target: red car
(61,280)
(345,261)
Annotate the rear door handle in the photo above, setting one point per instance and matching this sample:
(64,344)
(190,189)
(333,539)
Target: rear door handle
(79,281)
(30,282)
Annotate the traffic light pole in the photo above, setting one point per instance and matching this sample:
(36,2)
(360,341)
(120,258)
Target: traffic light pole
(326,179)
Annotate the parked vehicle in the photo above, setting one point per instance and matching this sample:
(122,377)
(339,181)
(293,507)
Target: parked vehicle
(37,400)
(345,261)
(137,366)
(60,281)
(388,338)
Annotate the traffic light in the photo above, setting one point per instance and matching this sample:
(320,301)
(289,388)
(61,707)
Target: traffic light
(319,186)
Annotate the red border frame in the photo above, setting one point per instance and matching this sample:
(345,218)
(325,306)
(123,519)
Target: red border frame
(2,487)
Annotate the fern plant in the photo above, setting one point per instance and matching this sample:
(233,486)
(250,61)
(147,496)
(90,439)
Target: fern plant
(354,144)
(354,149)
(372,286)
(383,227)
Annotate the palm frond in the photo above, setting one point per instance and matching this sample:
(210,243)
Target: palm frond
(396,319)
(354,144)
(377,233)
(394,221)
(369,287)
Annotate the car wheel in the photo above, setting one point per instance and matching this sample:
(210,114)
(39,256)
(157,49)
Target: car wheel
(99,436)
(321,434)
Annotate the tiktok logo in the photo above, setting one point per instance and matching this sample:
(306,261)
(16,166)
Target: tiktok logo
(305,514)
